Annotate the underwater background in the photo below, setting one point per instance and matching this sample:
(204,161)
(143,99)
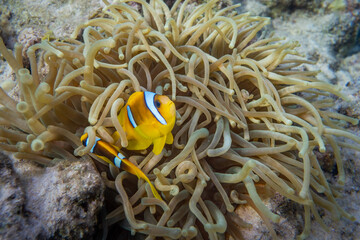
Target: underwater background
(65,201)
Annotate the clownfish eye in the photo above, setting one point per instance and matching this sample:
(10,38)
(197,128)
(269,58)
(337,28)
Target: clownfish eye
(157,103)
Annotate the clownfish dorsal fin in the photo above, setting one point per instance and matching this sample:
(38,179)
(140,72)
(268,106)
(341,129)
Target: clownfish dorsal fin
(131,168)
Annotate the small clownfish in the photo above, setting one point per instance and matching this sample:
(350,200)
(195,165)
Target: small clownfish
(147,118)
(111,154)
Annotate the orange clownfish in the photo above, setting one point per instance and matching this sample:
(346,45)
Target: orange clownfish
(147,118)
(111,154)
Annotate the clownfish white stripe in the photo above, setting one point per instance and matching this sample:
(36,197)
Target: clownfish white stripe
(117,162)
(149,101)
(93,147)
(120,155)
(131,117)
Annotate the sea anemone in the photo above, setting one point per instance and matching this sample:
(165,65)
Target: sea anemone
(250,118)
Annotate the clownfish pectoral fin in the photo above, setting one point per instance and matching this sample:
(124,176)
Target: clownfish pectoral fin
(133,169)
(141,130)
(169,138)
(138,145)
(159,144)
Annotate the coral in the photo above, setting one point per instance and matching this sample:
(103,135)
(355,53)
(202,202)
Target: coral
(320,42)
(38,203)
(349,75)
(250,118)
(15,15)
(279,6)
(12,200)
